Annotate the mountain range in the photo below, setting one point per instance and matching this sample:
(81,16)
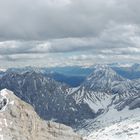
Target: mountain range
(104,99)
(50,99)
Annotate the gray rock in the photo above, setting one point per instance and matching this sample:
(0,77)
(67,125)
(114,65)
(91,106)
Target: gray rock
(19,121)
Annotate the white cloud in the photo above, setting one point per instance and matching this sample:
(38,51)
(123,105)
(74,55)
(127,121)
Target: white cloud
(69,32)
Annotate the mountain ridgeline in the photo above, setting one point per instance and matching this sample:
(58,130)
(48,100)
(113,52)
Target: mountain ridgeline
(50,99)
(101,91)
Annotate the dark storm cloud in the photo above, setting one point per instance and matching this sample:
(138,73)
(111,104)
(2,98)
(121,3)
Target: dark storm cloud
(117,39)
(43,19)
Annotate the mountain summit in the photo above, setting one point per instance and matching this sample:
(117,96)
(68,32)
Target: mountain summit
(102,78)
(18,121)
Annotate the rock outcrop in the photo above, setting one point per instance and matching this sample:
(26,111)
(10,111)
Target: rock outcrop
(19,121)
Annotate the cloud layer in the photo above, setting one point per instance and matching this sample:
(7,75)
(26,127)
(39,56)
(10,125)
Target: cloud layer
(69,32)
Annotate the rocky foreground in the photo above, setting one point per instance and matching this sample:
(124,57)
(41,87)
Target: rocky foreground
(19,121)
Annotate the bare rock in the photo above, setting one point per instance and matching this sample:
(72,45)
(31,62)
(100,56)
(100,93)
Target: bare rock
(19,121)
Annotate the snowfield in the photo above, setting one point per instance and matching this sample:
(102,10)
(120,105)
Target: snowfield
(126,130)
(114,125)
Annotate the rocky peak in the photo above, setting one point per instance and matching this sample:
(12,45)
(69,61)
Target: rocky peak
(18,121)
(104,72)
(105,79)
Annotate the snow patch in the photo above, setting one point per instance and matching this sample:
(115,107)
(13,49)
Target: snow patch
(125,130)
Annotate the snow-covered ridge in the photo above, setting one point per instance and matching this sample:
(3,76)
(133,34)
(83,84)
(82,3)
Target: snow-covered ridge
(113,98)
(103,99)
(104,87)
(50,99)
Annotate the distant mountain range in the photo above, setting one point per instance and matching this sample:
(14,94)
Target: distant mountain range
(132,72)
(74,76)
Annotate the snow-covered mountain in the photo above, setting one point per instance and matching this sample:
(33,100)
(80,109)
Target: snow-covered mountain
(113,98)
(26,69)
(61,75)
(104,99)
(49,98)
(105,87)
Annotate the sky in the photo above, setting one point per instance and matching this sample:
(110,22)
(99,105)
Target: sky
(48,33)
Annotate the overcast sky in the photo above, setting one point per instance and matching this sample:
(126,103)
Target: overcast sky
(69,32)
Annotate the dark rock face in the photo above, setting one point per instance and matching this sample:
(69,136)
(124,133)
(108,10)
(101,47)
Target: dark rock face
(3,103)
(49,98)
(135,104)
(131,102)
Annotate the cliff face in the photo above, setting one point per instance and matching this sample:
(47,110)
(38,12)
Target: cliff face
(18,121)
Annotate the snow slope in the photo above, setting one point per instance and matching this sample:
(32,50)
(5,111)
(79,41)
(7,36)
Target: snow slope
(116,102)
(128,129)
(103,88)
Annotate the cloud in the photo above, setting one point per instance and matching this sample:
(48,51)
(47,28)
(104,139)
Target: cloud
(115,37)
(116,43)
(43,19)
(69,32)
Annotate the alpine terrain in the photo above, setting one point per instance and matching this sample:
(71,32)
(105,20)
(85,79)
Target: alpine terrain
(100,107)
(115,100)
(18,121)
